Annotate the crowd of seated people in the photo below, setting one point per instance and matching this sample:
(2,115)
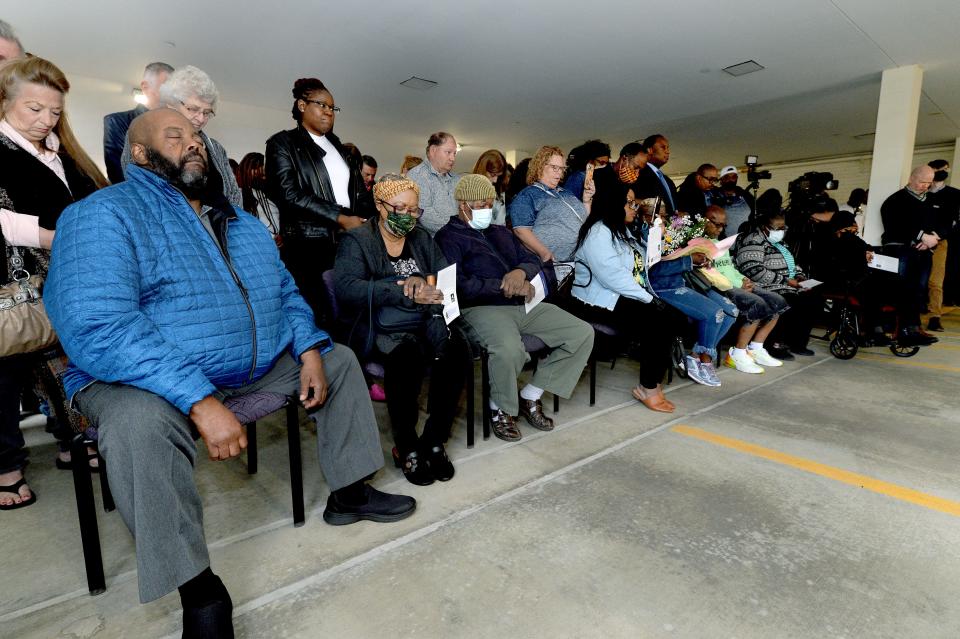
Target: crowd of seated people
(240,304)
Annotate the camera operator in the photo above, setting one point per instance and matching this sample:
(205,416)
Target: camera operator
(808,217)
(910,234)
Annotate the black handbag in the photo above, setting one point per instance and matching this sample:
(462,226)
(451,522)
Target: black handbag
(391,319)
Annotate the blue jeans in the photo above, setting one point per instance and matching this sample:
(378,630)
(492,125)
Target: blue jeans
(713,313)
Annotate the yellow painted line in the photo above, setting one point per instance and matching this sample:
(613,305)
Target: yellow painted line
(854,479)
(942,346)
(902,361)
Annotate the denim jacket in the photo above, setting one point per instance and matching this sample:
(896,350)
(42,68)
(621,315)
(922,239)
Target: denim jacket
(604,269)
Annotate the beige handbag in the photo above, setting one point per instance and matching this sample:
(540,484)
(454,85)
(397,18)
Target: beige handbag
(24,326)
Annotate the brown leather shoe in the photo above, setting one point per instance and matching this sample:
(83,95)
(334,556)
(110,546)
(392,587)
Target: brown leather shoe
(505,426)
(532,410)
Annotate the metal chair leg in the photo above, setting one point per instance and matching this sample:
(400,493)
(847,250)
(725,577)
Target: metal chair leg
(108,505)
(296,463)
(485,391)
(87,516)
(593,380)
(556,403)
(252,457)
(471,401)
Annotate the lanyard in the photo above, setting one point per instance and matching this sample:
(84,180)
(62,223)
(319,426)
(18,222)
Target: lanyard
(567,204)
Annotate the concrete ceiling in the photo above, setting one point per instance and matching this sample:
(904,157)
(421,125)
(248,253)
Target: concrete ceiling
(521,74)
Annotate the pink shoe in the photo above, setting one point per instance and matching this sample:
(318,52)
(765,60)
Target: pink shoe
(377,393)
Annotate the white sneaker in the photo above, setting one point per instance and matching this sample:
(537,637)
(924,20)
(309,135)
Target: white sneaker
(742,362)
(762,357)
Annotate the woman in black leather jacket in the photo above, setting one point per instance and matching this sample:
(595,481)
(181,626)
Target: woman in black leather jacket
(317,188)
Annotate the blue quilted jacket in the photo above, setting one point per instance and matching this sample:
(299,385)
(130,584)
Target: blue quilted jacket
(140,294)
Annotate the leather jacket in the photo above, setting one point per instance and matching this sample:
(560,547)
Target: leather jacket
(298,182)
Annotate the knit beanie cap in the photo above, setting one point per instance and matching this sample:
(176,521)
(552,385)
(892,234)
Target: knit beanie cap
(391,184)
(474,188)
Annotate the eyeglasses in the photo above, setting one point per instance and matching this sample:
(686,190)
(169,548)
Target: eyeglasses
(559,168)
(195,110)
(633,205)
(719,226)
(416,212)
(711,180)
(323,105)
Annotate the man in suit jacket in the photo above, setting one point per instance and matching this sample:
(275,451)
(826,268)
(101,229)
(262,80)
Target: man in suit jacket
(115,125)
(652,182)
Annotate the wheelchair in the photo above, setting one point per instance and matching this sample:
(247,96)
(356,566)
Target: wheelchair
(844,335)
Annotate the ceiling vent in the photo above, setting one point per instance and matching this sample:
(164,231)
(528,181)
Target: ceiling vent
(743,68)
(420,84)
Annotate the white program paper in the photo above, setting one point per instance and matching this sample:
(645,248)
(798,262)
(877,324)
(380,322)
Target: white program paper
(884,263)
(808,284)
(538,293)
(654,245)
(447,283)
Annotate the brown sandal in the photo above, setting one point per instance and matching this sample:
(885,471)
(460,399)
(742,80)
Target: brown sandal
(653,399)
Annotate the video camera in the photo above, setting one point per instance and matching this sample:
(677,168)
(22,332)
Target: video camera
(813,183)
(753,175)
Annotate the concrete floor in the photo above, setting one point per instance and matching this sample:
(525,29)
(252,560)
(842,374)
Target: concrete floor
(621,523)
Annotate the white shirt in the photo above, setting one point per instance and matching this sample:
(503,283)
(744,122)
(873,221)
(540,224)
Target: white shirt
(337,169)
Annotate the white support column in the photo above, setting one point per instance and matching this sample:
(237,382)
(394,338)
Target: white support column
(515,155)
(896,133)
(955,164)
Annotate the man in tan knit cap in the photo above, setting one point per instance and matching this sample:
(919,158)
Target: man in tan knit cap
(494,274)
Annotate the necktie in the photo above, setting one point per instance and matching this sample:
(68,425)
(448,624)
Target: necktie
(666,190)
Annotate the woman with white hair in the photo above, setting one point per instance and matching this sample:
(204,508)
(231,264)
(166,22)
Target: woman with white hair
(190,91)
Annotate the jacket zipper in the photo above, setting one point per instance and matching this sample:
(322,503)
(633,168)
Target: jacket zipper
(246,300)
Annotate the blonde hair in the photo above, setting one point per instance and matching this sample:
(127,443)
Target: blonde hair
(34,70)
(410,161)
(539,161)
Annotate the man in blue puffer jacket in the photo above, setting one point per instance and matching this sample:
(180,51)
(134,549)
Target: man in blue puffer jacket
(168,300)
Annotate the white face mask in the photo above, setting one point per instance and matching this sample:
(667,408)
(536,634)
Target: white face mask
(777,236)
(481,218)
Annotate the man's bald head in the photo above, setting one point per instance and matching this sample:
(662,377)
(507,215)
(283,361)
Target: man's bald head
(920,179)
(166,143)
(145,126)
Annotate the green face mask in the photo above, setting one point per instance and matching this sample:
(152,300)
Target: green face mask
(400,224)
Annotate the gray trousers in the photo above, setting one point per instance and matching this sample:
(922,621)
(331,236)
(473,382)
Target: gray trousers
(150,454)
(499,329)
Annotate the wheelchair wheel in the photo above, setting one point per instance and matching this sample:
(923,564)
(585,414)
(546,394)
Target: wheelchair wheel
(844,346)
(904,351)
(677,355)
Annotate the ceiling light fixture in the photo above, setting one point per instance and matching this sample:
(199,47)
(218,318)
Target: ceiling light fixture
(420,84)
(743,68)
(138,96)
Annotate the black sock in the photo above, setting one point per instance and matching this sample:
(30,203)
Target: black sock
(203,589)
(353,494)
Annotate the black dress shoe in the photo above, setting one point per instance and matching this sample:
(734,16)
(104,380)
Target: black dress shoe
(935,325)
(415,468)
(440,465)
(780,352)
(378,506)
(914,338)
(806,352)
(212,621)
